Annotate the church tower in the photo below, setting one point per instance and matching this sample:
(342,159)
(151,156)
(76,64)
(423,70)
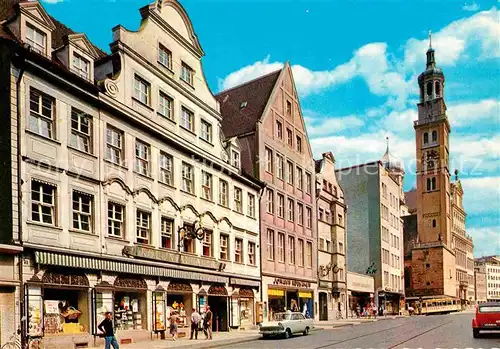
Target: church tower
(432,131)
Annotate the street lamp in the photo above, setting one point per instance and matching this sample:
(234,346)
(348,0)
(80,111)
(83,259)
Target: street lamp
(189,232)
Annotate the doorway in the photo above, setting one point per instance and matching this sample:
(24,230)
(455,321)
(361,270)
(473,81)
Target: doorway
(323,306)
(218,306)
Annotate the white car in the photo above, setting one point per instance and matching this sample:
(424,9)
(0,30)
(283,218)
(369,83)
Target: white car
(286,324)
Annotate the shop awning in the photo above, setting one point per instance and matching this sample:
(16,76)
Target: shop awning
(72,261)
(245,282)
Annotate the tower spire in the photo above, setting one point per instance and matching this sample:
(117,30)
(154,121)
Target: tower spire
(430,39)
(431,61)
(387,142)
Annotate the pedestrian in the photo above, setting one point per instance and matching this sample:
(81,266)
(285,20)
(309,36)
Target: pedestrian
(106,326)
(173,325)
(304,310)
(207,325)
(358,310)
(374,310)
(195,322)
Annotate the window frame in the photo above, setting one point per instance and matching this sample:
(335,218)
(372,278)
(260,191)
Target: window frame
(291,250)
(289,137)
(39,116)
(299,177)
(138,93)
(166,168)
(140,218)
(79,213)
(78,134)
(270,245)
(309,254)
(281,247)
(189,78)
(33,42)
(112,148)
(41,203)
(290,172)
(269,159)
(142,158)
(251,205)
(164,234)
(308,183)
(206,185)
(298,143)
(280,166)
(270,202)
(207,242)
(308,217)
(162,96)
(291,210)
(224,238)
(252,253)
(281,206)
(187,124)
(113,221)
(206,131)
(223,194)
(238,250)
(279,129)
(301,257)
(238,202)
(166,53)
(300,213)
(77,69)
(187,174)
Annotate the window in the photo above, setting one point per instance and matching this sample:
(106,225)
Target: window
(281,247)
(339,218)
(114,145)
(291,209)
(81,66)
(288,108)
(300,181)
(207,244)
(270,245)
(308,217)
(142,152)
(81,130)
(433,223)
(165,106)
(384,190)
(141,90)
(289,137)
(224,239)
(223,193)
(36,39)
(301,252)
(238,200)
(116,215)
(279,130)
(289,173)
(327,216)
(308,183)
(251,253)
(206,131)
(187,117)
(251,205)
(43,198)
(269,160)
(238,251)
(143,228)
(187,74)
(300,214)
(341,247)
(270,201)
(41,119)
(281,206)
(165,56)
(280,164)
(426,138)
(166,169)
(320,214)
(82,211)
(298,143)
(189,245)
(327,247)
(309,256)
(431,184)
(434,136)
(235,158)
(437,88)
(291,250)
(187,178)
(167,227)
(206,185)
(429,88)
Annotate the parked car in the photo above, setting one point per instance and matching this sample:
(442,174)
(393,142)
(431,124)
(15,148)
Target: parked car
(487,318)
(286,324)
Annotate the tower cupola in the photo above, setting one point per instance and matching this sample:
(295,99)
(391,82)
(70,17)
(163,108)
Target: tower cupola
(431,81)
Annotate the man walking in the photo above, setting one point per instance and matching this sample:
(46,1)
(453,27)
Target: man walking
(207,325)
(195,321)
(106,326)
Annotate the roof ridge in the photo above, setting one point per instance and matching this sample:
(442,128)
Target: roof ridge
(249,81)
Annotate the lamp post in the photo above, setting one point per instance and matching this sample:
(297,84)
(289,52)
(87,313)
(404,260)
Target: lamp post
(186,232)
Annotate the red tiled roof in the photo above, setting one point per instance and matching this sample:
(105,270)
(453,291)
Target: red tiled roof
(238,119)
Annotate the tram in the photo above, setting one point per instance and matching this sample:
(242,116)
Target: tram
(436,305)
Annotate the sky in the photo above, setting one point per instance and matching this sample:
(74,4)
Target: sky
(355,65)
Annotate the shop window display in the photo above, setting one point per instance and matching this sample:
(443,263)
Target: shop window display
(65,312)
(176,304)
(130,311)
(35,311)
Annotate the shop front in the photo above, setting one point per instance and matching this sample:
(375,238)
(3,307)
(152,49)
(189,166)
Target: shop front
(219,305)
(180,303)
(360,290)
(390,302)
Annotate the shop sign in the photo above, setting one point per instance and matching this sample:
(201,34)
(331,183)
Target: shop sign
(244,282)
(289,282)
(360,283)
(305,295)
(274,292)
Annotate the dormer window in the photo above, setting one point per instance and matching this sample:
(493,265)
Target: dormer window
(187,74)
(81,66)
(235,158)
(165,57)
(141,90)
(37,39)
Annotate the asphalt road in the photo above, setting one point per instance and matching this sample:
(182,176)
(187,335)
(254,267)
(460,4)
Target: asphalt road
(437,331)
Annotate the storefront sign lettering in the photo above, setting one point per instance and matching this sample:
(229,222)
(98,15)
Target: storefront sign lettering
(288,282)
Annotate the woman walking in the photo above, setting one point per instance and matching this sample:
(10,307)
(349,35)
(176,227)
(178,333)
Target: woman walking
(173,325)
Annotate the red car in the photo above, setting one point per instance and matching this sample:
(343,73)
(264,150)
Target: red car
(487,318)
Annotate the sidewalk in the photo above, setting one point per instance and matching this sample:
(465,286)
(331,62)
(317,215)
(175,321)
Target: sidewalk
(219,339)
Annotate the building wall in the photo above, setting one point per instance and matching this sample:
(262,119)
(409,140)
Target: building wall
(493,282)
(480,286)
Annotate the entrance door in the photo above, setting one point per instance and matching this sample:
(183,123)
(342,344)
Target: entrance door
(323,306)
(218,305)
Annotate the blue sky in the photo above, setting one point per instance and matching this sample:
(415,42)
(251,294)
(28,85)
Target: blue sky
(355,65)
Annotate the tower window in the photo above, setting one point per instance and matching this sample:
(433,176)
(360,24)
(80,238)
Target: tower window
(438,88)
(434,136)
(429,89)
(426,138)
(433,223)
(431,184)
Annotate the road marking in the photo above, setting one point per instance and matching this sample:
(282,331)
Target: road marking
(420,334)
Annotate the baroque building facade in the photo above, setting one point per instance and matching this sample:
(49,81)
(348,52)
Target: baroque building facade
(332,211)
(124,193)
(265,116)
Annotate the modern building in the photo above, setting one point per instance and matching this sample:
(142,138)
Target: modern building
(264,115)
(332,288)
(479,286)
(122,189)
(490,267)
(463,245)
(361,292)
(374,197)
(430,261)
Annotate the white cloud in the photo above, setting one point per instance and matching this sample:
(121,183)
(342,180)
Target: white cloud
(484,241)
(481,195)
(319,125)
(471,7)
(469,113)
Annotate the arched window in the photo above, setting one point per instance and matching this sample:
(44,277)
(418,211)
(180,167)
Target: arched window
(433,223)
(438,88)
(429,88)
(434,136)
(426,138)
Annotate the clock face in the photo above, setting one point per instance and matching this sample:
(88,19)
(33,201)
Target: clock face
(430,164)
